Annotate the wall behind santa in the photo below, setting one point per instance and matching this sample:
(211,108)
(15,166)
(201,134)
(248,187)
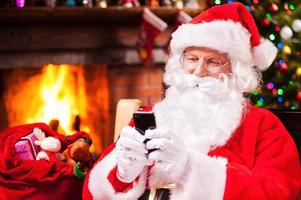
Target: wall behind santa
(137,82)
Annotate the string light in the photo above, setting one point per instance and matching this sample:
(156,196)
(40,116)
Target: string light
(217,2)
(270,85)
(279,45)
(266,22)
(269,16)
(255,93)
(274,91)
(277,28)
(255,1)
(280,92)
(272,37)
(259,103)
(20,3)
(259,91)
(249,8)
(280,99)
(292,7)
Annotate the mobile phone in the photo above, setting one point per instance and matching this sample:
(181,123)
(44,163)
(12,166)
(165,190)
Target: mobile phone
(143,121)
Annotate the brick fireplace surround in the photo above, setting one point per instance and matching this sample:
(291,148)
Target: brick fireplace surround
(34,37)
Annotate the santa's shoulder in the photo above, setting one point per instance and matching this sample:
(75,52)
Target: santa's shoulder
(251,109)
(262,117)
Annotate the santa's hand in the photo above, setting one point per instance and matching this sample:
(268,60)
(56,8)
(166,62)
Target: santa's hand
(171,154)
(131,154)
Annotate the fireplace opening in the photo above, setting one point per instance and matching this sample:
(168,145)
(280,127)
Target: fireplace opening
(69,98)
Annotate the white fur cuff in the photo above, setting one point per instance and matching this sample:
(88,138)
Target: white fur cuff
(102,189)
(205,179)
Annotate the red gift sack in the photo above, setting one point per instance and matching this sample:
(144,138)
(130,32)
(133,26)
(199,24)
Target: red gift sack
(34,179)
(25,147)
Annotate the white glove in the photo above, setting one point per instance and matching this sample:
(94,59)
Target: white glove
(131,154)
(171,156)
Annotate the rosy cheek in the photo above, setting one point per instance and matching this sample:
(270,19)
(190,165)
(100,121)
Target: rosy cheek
(188,70)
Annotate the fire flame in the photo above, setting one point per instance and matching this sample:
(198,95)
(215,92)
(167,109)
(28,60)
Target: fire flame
(62,93)
(62,96)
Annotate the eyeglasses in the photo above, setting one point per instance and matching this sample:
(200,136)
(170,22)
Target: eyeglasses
(212,64)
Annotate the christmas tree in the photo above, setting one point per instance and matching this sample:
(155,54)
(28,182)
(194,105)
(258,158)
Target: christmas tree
(279,21)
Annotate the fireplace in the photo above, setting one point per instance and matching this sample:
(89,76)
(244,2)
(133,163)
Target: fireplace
(67,97)
(68,67)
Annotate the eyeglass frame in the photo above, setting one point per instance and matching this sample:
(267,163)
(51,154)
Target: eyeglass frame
(221,65)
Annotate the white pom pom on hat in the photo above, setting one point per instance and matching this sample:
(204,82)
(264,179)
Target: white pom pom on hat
(228,28)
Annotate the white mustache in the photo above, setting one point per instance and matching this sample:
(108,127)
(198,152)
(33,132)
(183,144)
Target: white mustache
(209,85)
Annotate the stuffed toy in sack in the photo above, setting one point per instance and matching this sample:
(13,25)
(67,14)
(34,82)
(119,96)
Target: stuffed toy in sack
(49,145)
(77,154)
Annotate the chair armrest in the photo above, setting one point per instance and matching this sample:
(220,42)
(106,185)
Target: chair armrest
(124,113)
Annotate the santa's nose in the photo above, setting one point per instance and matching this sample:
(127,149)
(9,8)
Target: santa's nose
(200,71)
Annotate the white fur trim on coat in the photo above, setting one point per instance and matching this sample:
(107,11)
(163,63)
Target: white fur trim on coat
(225,36)
(102,189)
(205,178)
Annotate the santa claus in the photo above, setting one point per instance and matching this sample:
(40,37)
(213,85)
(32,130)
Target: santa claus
(210,142)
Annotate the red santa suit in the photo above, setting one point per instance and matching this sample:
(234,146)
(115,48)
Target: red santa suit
(253,158)
(259,161)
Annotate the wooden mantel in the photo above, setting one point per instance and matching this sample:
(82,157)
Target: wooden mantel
(82,15)
(76,35)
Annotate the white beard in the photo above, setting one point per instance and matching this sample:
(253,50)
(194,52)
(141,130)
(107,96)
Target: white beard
(204,111)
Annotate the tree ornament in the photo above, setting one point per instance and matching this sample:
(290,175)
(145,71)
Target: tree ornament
(192,4)
(298,96)
(101,3)
(286,33)
(298,71)
(51,3)
(296,25)
(286,103)
(179,4)
(273,8)
(129,3)
(70,3)
(283,67)
(287,50)
(87,3)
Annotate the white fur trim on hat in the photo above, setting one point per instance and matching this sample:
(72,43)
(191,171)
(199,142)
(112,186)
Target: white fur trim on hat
(226,36)
(100,187)
(264,54)
(205,180)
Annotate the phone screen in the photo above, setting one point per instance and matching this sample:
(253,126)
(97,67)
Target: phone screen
(144,121)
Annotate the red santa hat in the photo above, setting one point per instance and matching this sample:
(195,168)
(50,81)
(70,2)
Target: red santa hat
(228,28)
